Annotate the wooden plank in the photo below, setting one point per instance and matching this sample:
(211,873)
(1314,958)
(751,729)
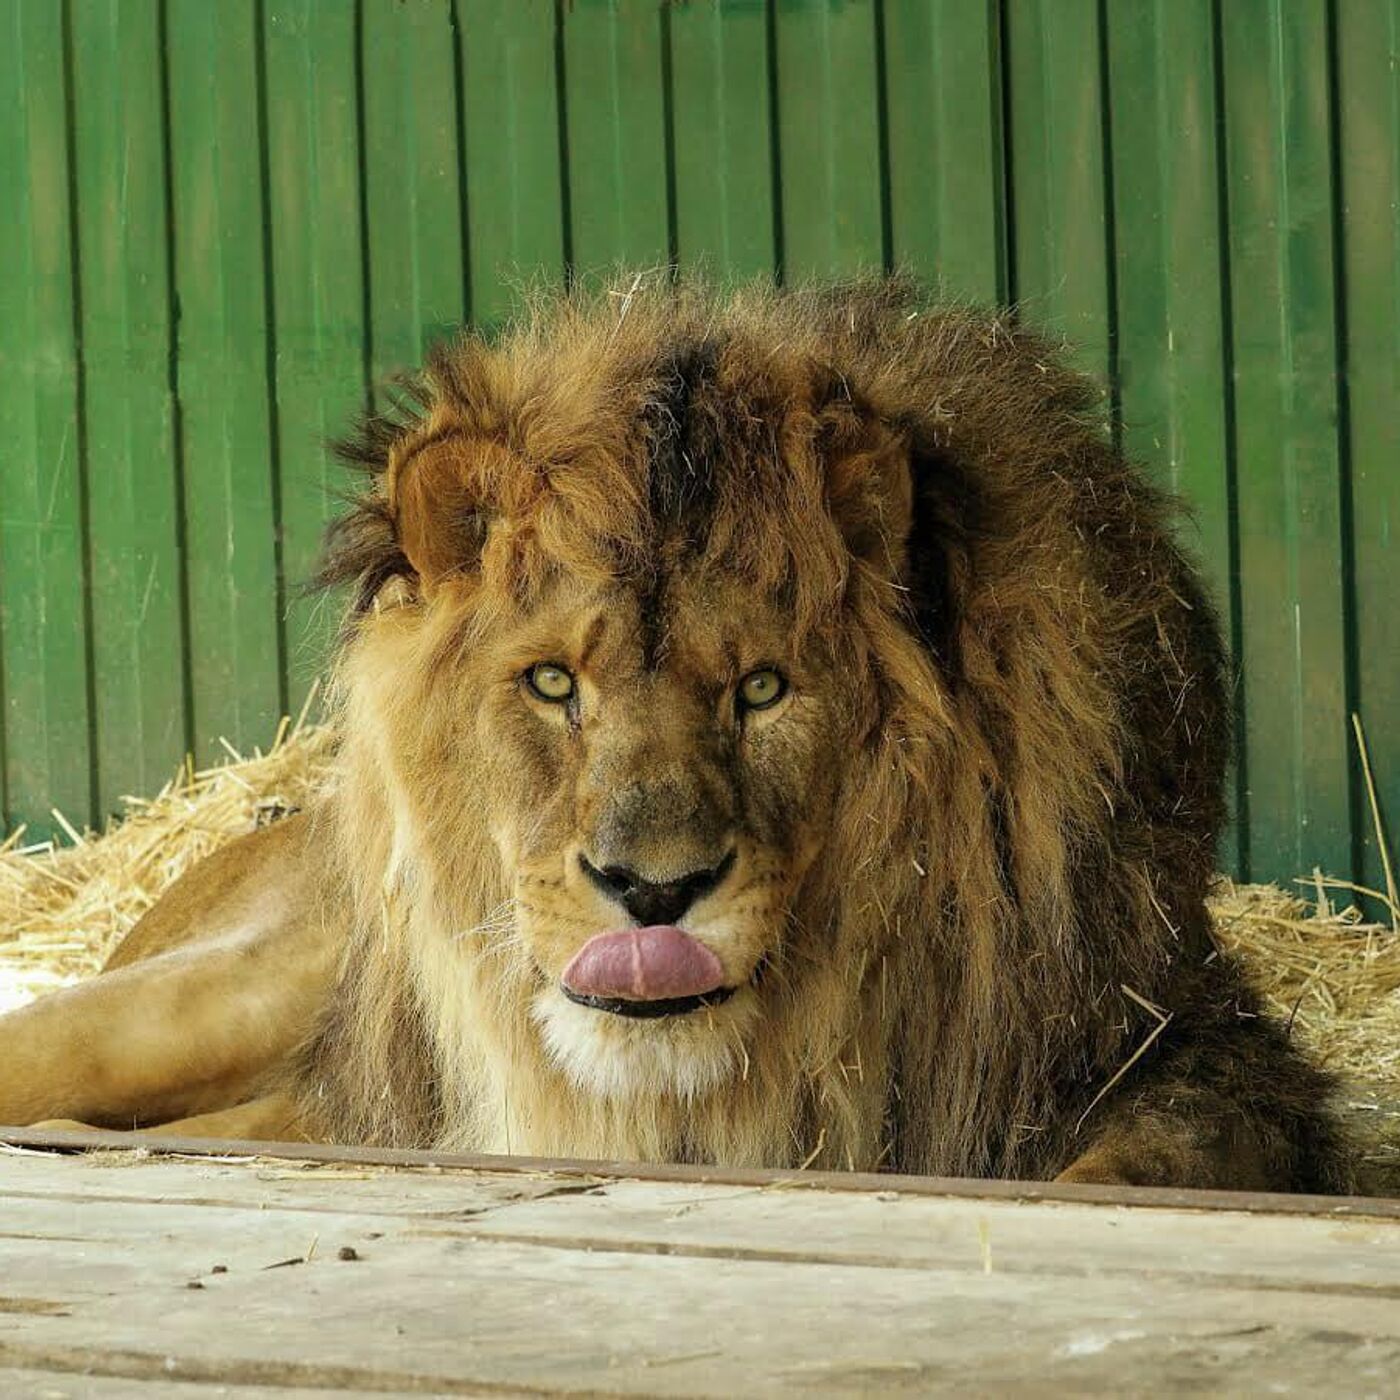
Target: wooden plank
(225,407)
(360,1156)
(319,292)
(44,685)
(666,1288)
(1368,98)
(943,95)
(515,207)
(619,206)
(417,269)
(891,1228)
(1171,351)
(724,139)
(1293,632)
(829,128)
(129,407)
(1062,252)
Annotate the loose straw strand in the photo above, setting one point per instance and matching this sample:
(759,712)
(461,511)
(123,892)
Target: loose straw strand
(1381,843)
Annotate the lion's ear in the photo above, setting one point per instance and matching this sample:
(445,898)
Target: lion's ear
(439,527)
(868,482)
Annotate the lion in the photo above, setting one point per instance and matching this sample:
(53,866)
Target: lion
(775,729)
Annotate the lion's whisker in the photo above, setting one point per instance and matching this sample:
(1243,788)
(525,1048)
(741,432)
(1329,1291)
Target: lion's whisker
(502,918)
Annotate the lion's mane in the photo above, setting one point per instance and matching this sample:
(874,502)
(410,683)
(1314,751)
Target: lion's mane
(1022,848)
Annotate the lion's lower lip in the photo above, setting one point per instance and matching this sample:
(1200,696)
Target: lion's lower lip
(650,1010)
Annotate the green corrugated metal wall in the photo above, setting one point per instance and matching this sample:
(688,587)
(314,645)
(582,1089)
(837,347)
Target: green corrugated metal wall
(225,221)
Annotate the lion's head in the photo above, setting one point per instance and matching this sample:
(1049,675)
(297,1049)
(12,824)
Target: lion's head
(733,700)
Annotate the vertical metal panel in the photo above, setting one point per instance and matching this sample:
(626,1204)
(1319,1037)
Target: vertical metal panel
(1169,313)
(42,604)
(723,137)
(1285,358)
(318,285)
(227,447)
(829,125)
(1368,93)
(944,97)
(617,134)
(514,189)
(417,270)
(1171,348)
(137,632)
(1061,245)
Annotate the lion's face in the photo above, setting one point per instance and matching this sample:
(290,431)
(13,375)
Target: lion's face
(642,564)
(667,756)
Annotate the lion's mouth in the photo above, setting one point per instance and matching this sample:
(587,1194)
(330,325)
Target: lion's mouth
(649,1010)
(657,970)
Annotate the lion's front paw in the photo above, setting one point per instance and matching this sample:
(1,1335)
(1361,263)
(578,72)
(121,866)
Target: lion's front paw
(1110,1166)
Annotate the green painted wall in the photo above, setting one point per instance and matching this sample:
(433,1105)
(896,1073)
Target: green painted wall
(226,221)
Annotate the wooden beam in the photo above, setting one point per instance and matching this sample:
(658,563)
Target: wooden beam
(976,1188)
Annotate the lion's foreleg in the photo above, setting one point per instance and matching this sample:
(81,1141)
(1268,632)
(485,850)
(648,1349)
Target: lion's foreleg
(177,1034)
(272,1118)
(1232,1108)
(1128,1154)
(1208,1148)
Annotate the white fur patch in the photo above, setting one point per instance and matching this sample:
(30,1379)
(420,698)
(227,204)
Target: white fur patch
(613,1057)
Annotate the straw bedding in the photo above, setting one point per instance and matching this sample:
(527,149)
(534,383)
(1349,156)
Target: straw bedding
(1324,969)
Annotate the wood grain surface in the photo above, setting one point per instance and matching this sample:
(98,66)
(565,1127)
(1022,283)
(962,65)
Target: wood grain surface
(185,1271)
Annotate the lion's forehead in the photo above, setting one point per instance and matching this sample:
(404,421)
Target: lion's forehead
(684,623)
(630,459)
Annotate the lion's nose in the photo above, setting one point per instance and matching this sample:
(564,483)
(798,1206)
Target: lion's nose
(650,902)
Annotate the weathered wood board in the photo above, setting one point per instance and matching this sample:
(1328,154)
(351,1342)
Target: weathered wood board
(120,1271)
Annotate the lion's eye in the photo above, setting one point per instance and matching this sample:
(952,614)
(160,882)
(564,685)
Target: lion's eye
(552,683)
(760,689)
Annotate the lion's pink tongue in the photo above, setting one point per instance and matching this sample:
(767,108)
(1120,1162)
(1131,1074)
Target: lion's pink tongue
(644,964)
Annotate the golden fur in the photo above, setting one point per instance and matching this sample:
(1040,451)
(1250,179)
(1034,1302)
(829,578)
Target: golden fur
(970,845)
(972,842)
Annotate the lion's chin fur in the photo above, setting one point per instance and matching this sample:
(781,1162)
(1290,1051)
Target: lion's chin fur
(682,1057)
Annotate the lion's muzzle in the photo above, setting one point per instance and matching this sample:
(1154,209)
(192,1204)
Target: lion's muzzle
(658,970)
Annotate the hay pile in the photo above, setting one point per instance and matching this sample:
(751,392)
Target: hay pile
(65,906)
(1334,978)
(1323,969)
